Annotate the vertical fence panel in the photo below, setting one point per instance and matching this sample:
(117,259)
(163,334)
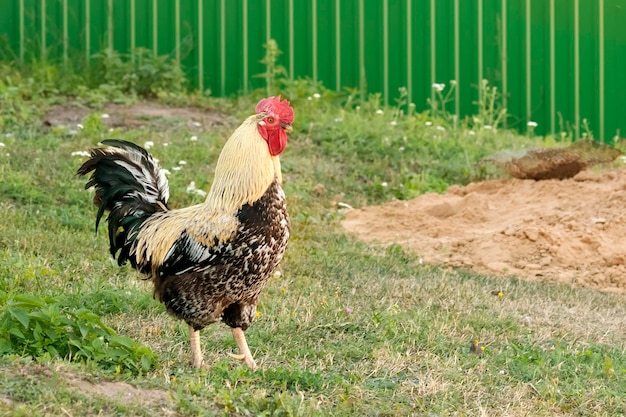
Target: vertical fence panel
(96,20)
(233,44)
(257,37)
(515,61)
(189,36)
(326,43)
(589,64)
(10,37)
(420,51)
(166,29)
(279,18)
(372,46)
(492,42)
(54,28)
(32,30)
(539,65)
(556,62)
(444,41)
(469,63)
(210,20)
(75,31)
(615,75)
(397,45)
(349,43)
(564,68)
(143,23)
(121,26)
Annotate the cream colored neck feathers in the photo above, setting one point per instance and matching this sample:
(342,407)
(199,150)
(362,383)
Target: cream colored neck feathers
(244,171)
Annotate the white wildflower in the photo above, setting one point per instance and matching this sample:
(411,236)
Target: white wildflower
(439,86)
(177,168)
(191,187)
(428,123)
(149,144)
(393,123)
(181,162)
(111,130)
(487,127)
(338,119)
(166,144)
(2,145)
(309,98)
(196,124)
(316,95)
(357,108)
(193,138)
(105,116)
(531,124)
(384,184)
(471,133)
(80,126)
(401,149)
(443,129)
(80,153)
(379,111)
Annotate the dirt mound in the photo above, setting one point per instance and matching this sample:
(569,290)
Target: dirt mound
(571,231)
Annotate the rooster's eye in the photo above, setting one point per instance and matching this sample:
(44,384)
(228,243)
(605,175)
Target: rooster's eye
(270,120)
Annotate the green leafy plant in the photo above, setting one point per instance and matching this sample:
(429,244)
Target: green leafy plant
(39,327)
(274,73)
(141,73)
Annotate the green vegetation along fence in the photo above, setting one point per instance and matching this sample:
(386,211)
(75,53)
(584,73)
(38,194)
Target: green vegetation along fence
(556,62)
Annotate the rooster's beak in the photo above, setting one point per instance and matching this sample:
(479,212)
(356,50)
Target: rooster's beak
(287,127)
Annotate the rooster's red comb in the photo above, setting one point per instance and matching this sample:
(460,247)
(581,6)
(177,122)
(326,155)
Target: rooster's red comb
(281,108)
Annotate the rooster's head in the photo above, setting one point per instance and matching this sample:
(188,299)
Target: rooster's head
(276,118)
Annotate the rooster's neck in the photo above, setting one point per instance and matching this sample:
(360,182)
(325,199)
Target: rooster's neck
(244,171)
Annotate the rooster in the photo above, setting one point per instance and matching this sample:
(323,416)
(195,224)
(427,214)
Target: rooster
(208,262)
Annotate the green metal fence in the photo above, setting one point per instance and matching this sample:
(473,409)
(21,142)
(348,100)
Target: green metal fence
(556,62)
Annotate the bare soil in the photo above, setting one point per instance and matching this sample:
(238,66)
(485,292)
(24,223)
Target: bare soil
(571,231)
(122,392)
(146,113)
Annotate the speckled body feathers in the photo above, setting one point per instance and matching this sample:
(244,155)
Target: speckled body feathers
(226,283)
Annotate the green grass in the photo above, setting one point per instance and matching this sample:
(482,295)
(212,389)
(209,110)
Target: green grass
(346,328)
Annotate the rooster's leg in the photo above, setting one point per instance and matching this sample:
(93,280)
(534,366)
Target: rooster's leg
(245,355)
(196,352)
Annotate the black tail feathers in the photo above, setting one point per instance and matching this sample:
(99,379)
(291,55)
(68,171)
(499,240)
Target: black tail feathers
(131,186)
